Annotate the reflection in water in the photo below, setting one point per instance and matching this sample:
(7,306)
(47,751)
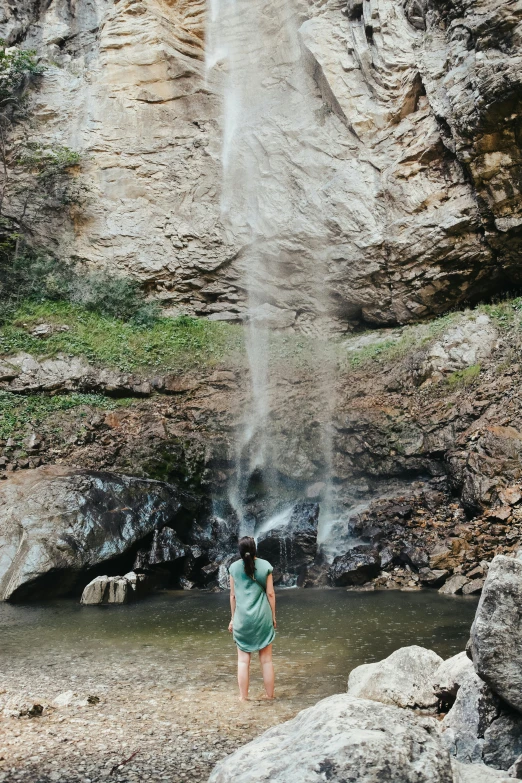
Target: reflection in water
(182,637)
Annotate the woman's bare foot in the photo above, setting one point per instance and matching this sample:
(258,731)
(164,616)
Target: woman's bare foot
(266,697)
(243,698)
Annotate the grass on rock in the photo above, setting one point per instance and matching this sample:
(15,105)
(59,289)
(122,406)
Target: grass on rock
(19,413)
(181,343)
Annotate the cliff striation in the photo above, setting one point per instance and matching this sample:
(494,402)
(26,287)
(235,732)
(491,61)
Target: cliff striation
(402,153)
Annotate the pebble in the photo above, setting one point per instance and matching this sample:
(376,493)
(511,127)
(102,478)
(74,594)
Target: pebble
(177,729)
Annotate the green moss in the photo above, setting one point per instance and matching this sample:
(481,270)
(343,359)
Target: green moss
(169,344)
(464,377)
(17,411)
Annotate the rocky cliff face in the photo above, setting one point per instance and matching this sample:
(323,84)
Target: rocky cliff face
(426,469)
(402,154)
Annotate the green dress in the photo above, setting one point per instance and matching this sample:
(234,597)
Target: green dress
(253,628)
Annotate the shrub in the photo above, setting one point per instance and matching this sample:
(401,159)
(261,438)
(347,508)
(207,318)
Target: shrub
(38,278)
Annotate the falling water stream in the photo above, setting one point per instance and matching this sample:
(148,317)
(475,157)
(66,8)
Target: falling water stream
(255,57)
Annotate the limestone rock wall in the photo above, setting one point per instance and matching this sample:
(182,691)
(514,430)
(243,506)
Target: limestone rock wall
(403,153)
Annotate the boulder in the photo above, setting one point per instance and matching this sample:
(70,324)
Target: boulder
(503,740)
(474,587)
(478,773)
(57,523)
(448,678)
(496,633)
(466,723)
(433,578)
(358,565)
(404,679)
(454,585)
(342,739)
(292,545)
(108,590)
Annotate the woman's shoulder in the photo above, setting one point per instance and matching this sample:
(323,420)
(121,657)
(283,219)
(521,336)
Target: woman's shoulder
(233,567)
(264,565)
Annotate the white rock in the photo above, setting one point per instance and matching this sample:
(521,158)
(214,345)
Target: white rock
(404,678)
(447,679)
(342,739)
(478,773)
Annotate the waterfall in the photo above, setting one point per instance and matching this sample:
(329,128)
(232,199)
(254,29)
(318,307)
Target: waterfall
(270,104)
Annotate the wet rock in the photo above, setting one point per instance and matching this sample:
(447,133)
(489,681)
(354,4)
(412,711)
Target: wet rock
(166,547)
(356,567)
(465,724)
(57,523)
(454,585)
(496,634)
(292,546)
(343,738)
(404,679)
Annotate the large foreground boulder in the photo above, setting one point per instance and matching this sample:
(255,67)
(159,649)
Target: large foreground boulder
(58,522)
(496,633)
(343,739)
(404,679)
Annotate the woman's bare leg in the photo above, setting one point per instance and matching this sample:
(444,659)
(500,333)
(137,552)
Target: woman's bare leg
(267,668)
(243,673)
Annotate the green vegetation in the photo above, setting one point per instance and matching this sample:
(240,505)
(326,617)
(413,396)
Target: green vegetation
(464,377)
(168,344)
(16,411)
(411,338)
(39,279)
(35,177)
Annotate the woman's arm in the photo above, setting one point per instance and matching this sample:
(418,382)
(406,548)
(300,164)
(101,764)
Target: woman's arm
(270,594)
(232,604)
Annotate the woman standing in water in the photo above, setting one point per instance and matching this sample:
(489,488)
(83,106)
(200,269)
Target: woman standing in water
(253,623)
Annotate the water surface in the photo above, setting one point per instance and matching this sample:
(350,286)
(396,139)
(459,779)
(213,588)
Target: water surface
(181,637)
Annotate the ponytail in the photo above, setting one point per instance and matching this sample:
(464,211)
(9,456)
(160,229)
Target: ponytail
(247,550)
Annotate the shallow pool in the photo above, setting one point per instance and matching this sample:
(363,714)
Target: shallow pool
(182,637)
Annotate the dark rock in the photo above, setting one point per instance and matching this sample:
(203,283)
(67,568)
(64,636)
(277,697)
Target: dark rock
(292,547)
(496,634)
(503,740)
(355,567)
(58,523)
(433,578)
(166,547)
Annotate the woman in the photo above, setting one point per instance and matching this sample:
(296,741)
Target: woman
(253,623)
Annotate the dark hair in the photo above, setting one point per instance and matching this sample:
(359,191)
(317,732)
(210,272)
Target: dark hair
(247,550)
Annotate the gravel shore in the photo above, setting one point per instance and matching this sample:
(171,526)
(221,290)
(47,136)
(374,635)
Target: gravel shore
(138,730)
